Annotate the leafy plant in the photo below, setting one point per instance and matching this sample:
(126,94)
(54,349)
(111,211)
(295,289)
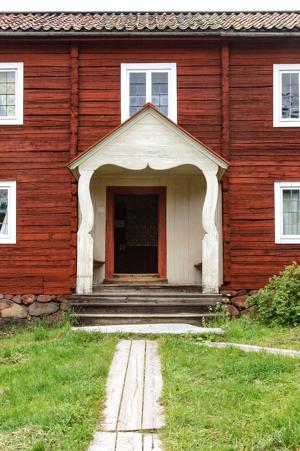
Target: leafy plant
(279,301)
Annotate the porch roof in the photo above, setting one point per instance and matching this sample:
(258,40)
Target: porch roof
(184,135)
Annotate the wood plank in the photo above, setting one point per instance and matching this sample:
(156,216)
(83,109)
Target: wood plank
(103,441)
(152,442)
(115,385)
(130,417)
(152,410)
(129,441)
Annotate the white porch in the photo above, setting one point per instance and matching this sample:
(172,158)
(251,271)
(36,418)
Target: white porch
(149,150)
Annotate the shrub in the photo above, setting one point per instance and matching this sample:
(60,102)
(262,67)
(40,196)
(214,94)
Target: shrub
(279,301)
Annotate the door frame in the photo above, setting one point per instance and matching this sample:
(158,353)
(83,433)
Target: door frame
(111,192)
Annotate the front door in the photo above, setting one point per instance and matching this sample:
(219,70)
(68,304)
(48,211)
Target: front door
(136,231)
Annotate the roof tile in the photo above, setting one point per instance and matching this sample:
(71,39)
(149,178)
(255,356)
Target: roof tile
(126,22)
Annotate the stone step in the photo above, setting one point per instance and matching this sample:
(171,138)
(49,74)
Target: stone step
(143,318)
(131,308)
(147,300)
(186,288)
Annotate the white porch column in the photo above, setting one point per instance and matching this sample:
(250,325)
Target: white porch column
(84,239)
(210,243)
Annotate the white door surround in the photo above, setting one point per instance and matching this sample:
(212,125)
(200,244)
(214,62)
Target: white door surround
(149,140)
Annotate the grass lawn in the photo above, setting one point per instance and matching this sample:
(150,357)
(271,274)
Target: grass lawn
(52,385)
(227,399)
(250,331)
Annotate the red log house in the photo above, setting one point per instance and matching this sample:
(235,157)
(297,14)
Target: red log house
(153,147)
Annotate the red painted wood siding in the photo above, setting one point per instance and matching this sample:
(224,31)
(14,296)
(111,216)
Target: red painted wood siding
(260,155)
(36,154)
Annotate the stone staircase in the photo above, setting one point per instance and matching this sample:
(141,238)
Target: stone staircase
(144,304)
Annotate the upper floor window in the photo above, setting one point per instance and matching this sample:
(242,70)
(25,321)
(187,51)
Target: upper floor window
(287,212)
(11,93)
(7,212)
(143,83)
(286,85)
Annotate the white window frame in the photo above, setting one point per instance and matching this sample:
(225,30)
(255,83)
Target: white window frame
(18,68)
(10,238)
(278,121)
(170,68)
(280,238)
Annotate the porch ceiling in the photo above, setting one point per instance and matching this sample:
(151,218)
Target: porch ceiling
(149,140)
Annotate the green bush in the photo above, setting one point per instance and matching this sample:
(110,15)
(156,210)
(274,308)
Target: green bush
(279,301)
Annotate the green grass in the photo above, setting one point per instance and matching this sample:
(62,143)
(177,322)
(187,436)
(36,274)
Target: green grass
(52,385)
(228,399)
(250,331)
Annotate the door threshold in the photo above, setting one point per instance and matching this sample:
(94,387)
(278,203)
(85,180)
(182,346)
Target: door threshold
(135,278)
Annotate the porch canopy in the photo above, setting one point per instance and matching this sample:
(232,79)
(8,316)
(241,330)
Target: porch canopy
(149,140)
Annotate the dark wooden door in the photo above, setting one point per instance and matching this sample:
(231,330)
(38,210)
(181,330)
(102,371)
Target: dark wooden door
(136,231)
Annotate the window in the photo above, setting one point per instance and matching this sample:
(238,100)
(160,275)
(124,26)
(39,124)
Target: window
(287,212)
(143,83)
(286,86)
(11,93)
(7,212)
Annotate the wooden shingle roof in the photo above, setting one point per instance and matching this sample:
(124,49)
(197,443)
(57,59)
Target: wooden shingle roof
(150,22)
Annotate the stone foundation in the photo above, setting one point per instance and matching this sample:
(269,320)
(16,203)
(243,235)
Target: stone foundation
(32,308)
(235,302)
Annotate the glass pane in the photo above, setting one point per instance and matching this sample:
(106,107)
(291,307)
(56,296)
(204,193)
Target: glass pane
(137,91)
(159,85)
(291,211)
(290,95)
(3,211)
(7,93)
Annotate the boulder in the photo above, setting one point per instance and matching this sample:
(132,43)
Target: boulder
(39,308)
(14,311)
(17,298)
(9,296)
(56,318)
(231,310)
(240,301)
(5,303)
(249,311)
(44,298)
(242,292)
(229,293)
(28,299)
(253,292)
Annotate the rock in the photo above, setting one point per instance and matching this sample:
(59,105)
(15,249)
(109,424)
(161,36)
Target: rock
(46,308)
(17,298)
(242,292)
(15,311)
(56,318)
(253,292)
(65,305)
(28,299)
(1,296)
(229,293)
(5,303)
(240,301)
(60,298)
(9,296)
(44,298)
(231,310)
(249,311)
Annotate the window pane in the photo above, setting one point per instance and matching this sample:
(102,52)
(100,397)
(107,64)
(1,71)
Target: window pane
(3,211)
(291,211)
(7,93)
(137,91)
(290,95)
(160,96)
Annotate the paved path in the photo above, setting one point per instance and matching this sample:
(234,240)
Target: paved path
(156,329)
(132,410)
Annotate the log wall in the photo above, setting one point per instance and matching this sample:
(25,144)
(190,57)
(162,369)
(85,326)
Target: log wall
(72,99)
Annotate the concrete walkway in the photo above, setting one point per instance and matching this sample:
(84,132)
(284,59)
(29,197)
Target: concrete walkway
(132,412)
(155,329)
(251,348)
